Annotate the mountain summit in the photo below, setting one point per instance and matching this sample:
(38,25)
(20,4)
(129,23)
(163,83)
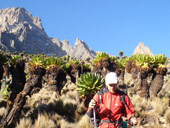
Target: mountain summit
(20,31)
(142,49)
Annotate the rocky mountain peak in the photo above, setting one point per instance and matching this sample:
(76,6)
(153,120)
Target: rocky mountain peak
(14,16)
(79,43)
(81,50)
(142,49)
(20,31)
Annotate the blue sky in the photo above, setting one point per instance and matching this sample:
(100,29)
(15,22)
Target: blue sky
(105,25)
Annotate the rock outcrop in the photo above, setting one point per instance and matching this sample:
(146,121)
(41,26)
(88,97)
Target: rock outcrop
(80,50)
(142,49)
(20,31)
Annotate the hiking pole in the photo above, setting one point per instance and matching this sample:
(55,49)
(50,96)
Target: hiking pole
(133,123)
(94,116)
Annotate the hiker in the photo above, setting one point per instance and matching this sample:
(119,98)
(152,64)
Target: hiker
(109,106)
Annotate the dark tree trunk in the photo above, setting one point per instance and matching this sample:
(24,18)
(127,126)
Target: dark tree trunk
(34,82)
(55,78)
(18,81)
(144,92)
(1,71)
(74,72)
(156,86)
(6,70)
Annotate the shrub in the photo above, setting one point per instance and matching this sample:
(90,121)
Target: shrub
(89,83)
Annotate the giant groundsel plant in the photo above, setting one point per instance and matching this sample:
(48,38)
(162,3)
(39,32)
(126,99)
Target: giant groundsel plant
(89,83)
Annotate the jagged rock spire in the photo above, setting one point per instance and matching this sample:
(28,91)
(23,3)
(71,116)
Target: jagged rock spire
(20,31)
(142,49)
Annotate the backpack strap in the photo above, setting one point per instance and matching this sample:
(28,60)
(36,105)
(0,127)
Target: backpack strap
(100,93)
(122,98)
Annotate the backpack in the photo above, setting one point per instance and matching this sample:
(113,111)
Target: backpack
(122,99)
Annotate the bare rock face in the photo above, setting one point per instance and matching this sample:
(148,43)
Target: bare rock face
(19,31)
(80,50)
(64,45)
(142,49)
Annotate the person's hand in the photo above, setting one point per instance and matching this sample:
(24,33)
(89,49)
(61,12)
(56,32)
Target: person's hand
(134,120)
(92,103)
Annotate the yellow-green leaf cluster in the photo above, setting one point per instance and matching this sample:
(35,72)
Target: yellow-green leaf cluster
(159,60)
(121,63)
(89,83)
(14,58)
(72,61)
(52,62)
(37,61)
(99,57)
(142,60)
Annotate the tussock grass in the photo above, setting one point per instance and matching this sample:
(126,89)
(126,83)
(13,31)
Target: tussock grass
(2,107)
(2,111)
(84,122)
(167,117)
(66,124)
(45,96)
(68,111)
(69,91)
(140,104)
(24,123)
(151,113)
(66,106)
(43,121)
(159,105)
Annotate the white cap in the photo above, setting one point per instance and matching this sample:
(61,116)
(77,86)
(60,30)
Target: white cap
(111,78)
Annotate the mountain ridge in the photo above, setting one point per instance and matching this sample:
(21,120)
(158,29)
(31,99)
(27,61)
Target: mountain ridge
(20,31)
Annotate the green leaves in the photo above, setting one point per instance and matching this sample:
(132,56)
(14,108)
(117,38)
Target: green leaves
(144,60)
(89,83)
(72,61)
(121,63)
(159,60)
(14,58)
(99,57)
(4,59)
(4,89)
(52,62)
(37,61)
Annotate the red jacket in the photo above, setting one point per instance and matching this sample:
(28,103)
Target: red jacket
(111,108)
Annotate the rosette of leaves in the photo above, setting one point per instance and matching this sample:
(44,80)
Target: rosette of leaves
(72,62)
(54,70)
(4,91)
(14,58)
(86,67)
(158,62)
(5,64)
(38,62)
(100,58)
(121,63)
(143,62)
(130,64)
(89,83)
(51,62)
(112,59)
(4,59)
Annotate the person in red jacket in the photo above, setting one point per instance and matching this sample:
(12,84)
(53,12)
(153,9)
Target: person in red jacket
(108,105)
